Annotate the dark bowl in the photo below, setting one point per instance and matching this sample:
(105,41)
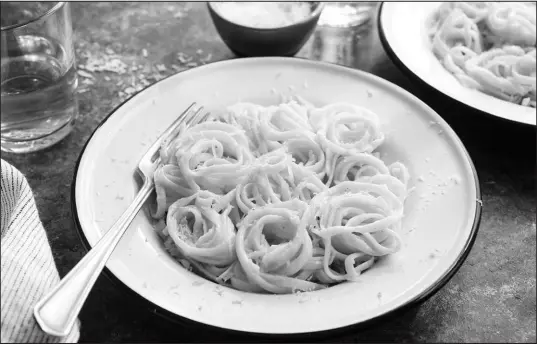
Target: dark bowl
(281,41)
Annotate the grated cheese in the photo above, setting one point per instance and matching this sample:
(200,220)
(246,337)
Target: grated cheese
(265,15)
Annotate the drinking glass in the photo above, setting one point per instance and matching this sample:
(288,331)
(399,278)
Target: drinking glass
(347,14)
(38,75)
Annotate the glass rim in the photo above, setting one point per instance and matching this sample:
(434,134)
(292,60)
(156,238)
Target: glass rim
(47,13)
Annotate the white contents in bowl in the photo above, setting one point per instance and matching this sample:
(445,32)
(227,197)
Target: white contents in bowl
(263,15)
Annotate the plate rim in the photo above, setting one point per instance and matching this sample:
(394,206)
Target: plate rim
(423,83)
(420,298)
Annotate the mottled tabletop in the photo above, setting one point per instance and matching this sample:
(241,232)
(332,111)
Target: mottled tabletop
(123,47)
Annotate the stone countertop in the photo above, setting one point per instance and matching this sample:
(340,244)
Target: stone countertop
(491,298)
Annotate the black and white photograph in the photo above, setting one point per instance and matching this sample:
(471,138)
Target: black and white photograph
(268,172)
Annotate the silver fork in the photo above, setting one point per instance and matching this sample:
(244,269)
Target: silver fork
(57,312)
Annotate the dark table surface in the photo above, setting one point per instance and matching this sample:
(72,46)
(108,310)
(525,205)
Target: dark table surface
(491,298)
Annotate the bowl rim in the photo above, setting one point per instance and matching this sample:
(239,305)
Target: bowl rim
(313,16)
(156,309)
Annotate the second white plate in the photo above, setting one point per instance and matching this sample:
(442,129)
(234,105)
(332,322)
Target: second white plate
(402,31)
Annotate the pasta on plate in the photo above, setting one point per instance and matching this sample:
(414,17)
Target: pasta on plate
(280,199)
(488,46)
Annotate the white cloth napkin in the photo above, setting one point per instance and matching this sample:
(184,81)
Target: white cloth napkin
(28,269)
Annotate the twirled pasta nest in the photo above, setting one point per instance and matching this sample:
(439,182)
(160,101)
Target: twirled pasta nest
(282,198)
(488,46)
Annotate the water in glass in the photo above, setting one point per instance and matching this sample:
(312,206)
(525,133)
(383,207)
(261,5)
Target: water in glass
(38,91)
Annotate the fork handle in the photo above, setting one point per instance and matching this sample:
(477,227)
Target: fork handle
(57,312)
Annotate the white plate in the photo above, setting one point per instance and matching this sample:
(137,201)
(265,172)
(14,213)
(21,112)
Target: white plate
(402,31)
(439,227)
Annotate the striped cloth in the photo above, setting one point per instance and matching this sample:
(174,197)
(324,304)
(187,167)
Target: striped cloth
(28,270)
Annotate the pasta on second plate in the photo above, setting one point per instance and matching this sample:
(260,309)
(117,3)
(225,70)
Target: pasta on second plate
(488,46)
(280,199)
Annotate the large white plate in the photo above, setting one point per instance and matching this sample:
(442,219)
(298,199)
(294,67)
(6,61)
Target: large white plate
(402,31)
(440,224)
